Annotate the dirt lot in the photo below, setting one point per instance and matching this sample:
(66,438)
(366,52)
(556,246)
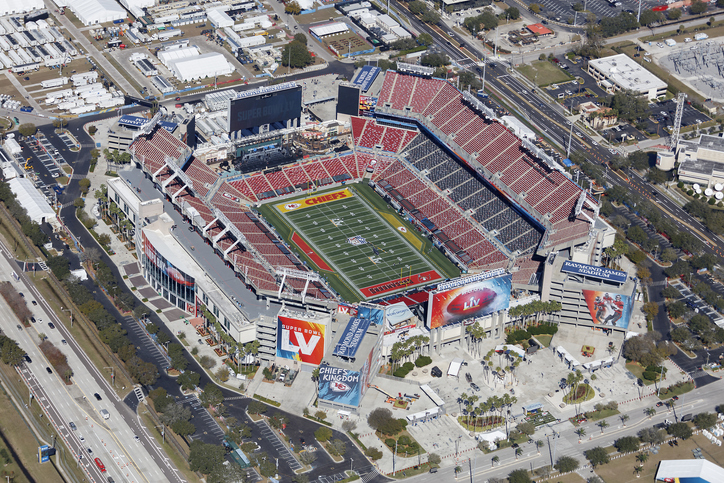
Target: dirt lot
(6,87)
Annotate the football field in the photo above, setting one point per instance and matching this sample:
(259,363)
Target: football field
(374,254)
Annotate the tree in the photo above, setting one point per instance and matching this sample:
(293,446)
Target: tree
(296,53)
(60,266)
(431,17)
(566,464)
(434,459)
(649,17)
(337,447)
(581,432)
(379,417)
(676,309)
(349,425)
(204,457)
(188,380)
(680,335)
(27,129)
(513,13)
(494,460)
(434,60)
(293,8)
(526,428)
(673,14)
(425,39)
(651,309)
(163,337)
(417,7)
(705,420)
(680,430)
(323,434)
(597,456)
(183,428)
(603,424)
(222,373)
(308,458)
(175,412)
(92,130)
(626,444)
(256,407)
(652,435)
(212,395)
(720,3)
(519,476)
(642,458)
(207,362)
(697,7)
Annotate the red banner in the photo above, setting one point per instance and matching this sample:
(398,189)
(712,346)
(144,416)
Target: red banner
(392,285)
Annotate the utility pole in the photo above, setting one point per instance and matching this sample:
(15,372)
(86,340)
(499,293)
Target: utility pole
(470,467)
(495,51)
(638,17)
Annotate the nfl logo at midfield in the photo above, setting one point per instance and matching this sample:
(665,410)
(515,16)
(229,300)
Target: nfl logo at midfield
(356,240)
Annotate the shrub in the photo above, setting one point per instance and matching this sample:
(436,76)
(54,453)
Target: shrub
(409,366)
(423,361)
(323,434)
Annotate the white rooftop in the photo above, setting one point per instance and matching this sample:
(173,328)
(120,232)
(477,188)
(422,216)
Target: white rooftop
(8,7)
(702,470)
(626,73)
(32,200)
(329,29)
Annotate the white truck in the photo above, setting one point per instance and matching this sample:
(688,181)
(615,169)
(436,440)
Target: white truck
(105,414)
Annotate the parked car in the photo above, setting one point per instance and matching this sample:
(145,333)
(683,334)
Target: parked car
(434,372)
(100,465)
(475,386)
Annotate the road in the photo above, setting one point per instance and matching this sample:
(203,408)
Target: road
(112,440)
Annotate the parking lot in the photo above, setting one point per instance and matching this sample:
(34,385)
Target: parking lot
(271,436)
(660,117)
(207,429)
(47,154)
(694,302)
(561,10)
(70,144)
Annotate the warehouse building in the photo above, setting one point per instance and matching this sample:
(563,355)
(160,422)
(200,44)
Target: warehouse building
(620,72)
(205,65)
(690,471)
(701,160)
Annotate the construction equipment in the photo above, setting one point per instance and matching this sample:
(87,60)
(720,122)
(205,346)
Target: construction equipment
(27,164)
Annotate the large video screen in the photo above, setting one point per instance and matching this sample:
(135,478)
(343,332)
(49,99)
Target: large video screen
(348,100)
(609,308)
(266,108)
(300,340)
(476,299)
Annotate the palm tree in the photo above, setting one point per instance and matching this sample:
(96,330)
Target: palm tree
(462,399)
(638,470)
(494,460)
(581,433)
(538,445)
(612,348)
(518,452)
(650,412)
(642,457)
(603,424)
(624,418)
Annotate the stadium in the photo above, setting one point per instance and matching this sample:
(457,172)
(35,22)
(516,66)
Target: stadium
(431,187)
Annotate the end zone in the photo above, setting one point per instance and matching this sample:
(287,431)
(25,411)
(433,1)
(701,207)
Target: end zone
(404,282)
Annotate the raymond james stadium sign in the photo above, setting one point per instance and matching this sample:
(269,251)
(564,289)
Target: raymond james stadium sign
(600,273)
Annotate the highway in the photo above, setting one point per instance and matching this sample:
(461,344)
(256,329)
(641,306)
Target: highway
(112,440)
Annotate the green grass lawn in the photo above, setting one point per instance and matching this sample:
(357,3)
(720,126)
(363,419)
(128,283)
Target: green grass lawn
(544,73)
(384,254)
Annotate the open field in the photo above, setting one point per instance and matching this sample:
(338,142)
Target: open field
(363,251)
(544,73)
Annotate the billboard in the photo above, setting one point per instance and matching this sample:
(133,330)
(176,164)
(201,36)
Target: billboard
(608,308)
(375,316)
(348,100)
(366,77)
(300,340)
(266,107)
(475,299)
(340,386)
(592,271)
(166,267)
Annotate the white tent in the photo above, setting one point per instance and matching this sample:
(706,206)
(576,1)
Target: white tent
(14,7)
(171,55)
(219,18)
(30,198)
(205,65)
(454,368)
(136,6)
(92,12)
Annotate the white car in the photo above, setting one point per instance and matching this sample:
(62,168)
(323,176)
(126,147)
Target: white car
(687,40)
(81,438)
(612,151)
(594,143)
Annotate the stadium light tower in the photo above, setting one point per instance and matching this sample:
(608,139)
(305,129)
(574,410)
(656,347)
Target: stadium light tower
(676,129)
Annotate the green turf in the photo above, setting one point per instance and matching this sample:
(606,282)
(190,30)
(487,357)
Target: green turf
(353,266)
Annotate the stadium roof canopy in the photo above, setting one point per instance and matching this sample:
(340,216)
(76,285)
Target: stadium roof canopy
(92,12)
(10,7)
(691,470)
(30,198)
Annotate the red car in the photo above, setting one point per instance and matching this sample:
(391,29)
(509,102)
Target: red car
(100,465)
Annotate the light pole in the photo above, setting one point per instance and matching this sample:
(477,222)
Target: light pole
(113,375)
(163,432)
(570,137)
(351,462)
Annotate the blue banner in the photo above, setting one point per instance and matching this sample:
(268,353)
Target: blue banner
(340,386)
(366,77)
(376,316)
(351,337)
